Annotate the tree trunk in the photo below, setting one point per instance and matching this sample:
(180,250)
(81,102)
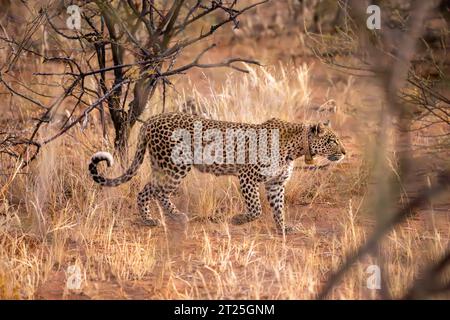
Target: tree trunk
(123,123)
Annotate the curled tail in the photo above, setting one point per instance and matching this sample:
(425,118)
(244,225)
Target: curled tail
(129,173)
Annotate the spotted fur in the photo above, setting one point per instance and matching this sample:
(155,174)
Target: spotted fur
(156,136)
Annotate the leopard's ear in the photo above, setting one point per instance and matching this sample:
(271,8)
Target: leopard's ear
(327,123)
(318,129)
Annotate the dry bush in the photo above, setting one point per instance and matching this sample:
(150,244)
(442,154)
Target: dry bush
(53,217)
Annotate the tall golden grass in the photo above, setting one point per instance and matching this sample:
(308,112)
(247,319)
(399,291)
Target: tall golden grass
(55,217)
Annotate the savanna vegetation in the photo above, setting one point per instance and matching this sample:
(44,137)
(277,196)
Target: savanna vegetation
(68,92)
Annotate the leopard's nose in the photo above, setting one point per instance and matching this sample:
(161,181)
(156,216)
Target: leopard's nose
(343,151)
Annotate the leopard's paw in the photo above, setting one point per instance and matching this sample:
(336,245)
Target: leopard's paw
(151,222)
(287,230)
(239,219)
(178,217)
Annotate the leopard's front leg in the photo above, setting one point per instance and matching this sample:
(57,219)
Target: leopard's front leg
(275,189)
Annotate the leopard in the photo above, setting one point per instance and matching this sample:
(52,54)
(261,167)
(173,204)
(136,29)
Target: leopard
(161,136)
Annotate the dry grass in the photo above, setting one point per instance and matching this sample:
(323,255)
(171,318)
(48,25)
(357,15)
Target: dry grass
(54,216)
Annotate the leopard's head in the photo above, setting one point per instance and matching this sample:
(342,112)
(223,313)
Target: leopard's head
(323,141)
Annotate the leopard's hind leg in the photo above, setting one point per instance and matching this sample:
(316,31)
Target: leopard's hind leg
(163,184)
(250,192)
(144,201)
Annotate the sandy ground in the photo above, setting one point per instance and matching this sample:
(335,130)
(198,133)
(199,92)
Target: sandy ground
(218,260)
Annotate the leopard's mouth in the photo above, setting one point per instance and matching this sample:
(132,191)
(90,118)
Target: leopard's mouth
(336,157)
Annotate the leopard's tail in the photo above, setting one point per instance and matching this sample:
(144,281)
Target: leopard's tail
(129,173)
